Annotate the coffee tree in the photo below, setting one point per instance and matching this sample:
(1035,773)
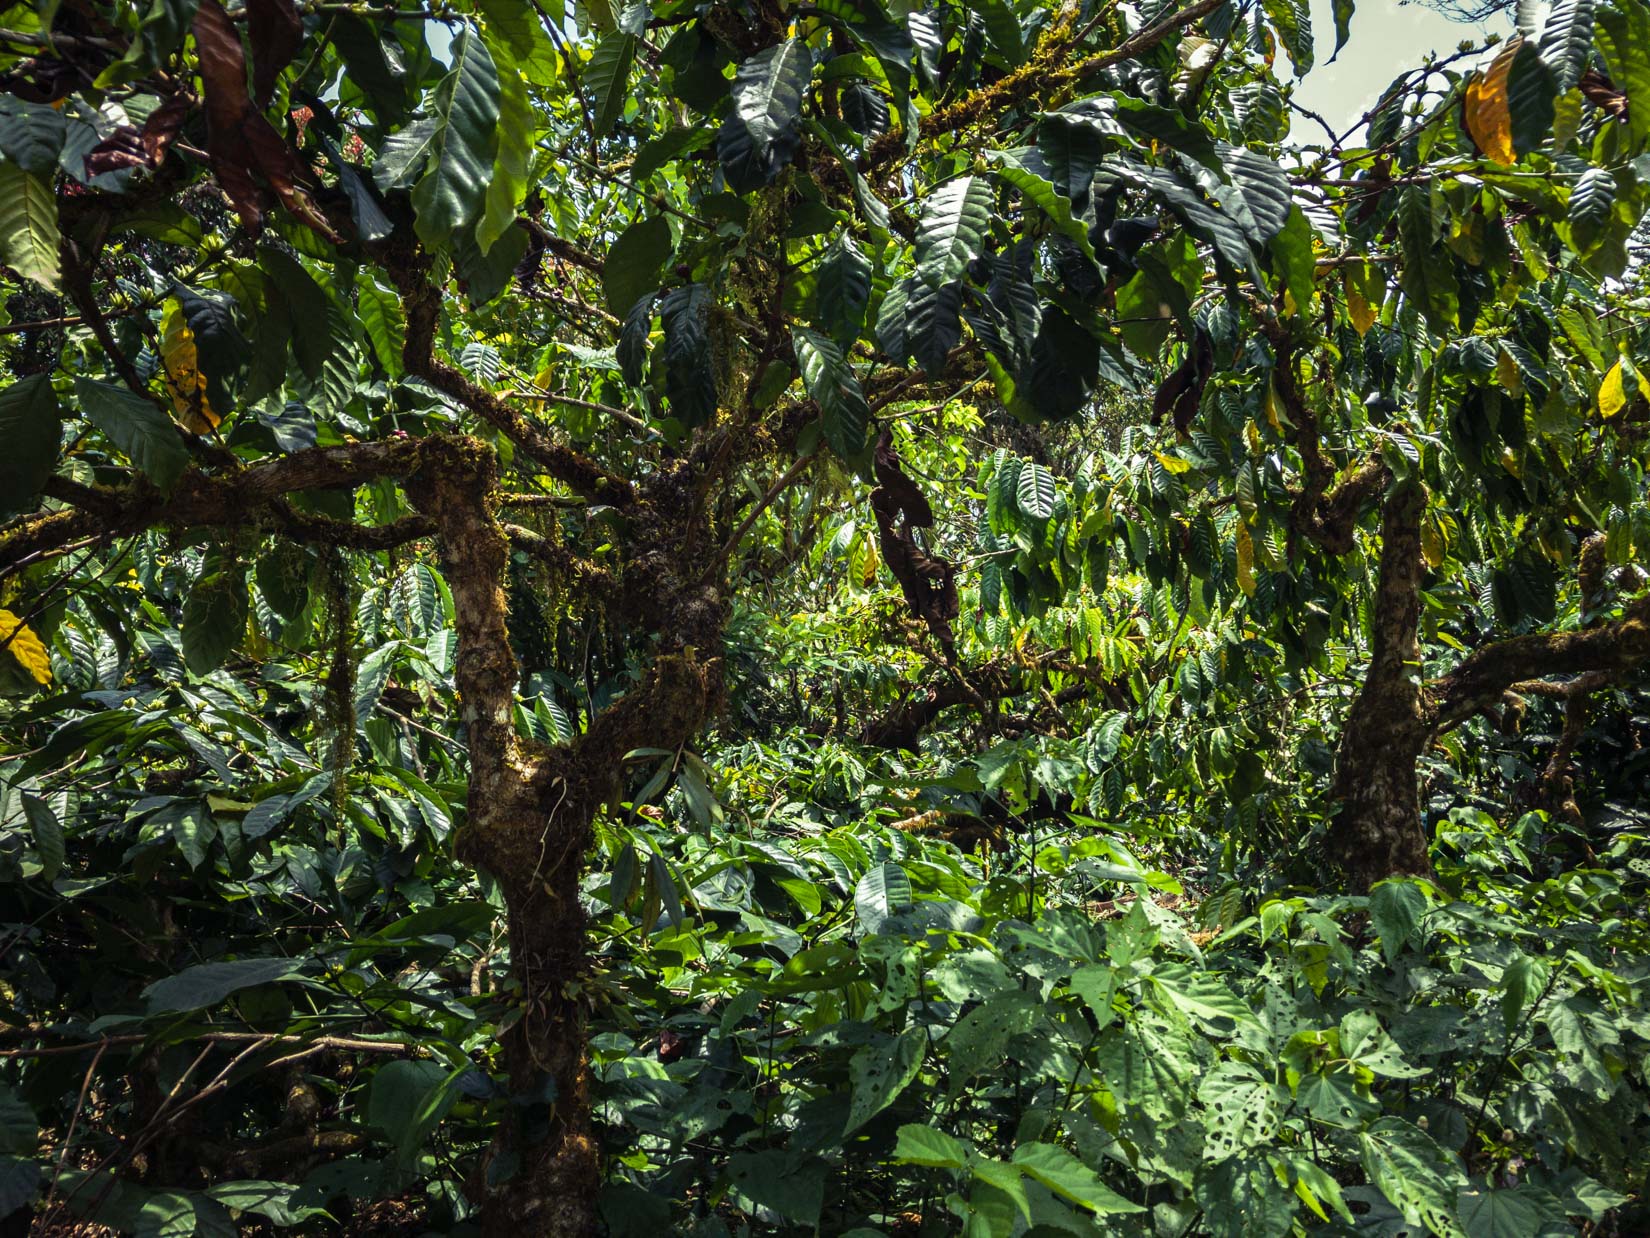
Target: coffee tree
(409,398)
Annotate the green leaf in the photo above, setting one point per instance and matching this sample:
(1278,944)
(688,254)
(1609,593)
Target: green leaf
(1395,909)
(450,152)
(842,290)
(1006,1178)
(1412,1171)
(20,1182)
(136,427)
(607,78)
(878,1073)
(1427,276)
(28,225)
(1292,19)
(406,1099)
(160,30)
(832,385)
(1262,202)
(48,835)
(1067,1176)
(690,383)
(1344,10)
(636,262)
(1201,996)
(1623,32)
(778,1180)
(517,125)
(222,352)
(1013,168)
(1532,97)
(207,984)
(1002,28)
(933,323)
(31,135)
(379,309)
(1592,203)
(951,231)
(760,136)
(1510,1213)
(1035,491)
(214,619)
(923,1145)
(1567,41)
(31,426)
(631,350)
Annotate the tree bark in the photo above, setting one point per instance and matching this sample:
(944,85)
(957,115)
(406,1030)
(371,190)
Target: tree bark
(1377,830)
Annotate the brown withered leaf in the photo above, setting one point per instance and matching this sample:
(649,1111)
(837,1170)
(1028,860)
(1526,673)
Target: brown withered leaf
(891,477)
(162,128)
(241,142)
(1182,391)
(276,32)
(121,149)
(928,581)
(223,78)
(1602,93)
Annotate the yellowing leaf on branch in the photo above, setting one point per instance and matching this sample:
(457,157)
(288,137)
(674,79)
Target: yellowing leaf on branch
(1612,398)
(21,642)
(1360,311)
(181,375)
(1245,560)
(1489,116)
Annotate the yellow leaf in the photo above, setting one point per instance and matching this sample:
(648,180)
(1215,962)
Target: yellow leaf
(25,646)
(1489,118)
(1251,434)
(1245,560)
(1269,403)
(1506,373)
(1360,311)
(1432,544)
(1173,464)
(182,377)
(1611,397)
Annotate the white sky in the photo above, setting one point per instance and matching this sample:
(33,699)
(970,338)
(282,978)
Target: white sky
(1386,39)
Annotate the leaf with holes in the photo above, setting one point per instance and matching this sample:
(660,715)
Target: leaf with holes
(1419,1177)
(883,891)
(879,1072)
(1242,1107)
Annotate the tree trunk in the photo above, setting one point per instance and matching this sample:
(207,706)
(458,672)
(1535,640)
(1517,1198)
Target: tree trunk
(1377,830)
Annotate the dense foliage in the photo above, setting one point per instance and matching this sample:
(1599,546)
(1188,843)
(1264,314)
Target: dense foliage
(850,618)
